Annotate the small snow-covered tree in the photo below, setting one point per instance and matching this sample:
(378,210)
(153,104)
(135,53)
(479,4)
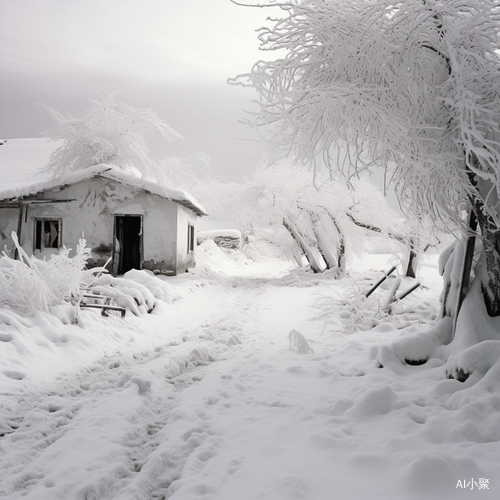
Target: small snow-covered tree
(108,132)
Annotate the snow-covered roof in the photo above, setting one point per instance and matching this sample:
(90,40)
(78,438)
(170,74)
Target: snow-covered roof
(21,161)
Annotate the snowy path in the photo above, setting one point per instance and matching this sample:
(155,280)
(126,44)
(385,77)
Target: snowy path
(88,435)
(108,412)
(212,403)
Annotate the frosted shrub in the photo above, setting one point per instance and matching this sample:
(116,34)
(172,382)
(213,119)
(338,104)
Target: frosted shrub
(156,287)
(352,311)
(22,287)
(30,284)
(65,275)
(131,295)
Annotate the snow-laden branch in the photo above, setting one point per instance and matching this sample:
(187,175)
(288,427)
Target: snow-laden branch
(409,84)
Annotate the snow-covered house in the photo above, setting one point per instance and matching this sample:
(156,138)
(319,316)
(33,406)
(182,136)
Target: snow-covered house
(136,222)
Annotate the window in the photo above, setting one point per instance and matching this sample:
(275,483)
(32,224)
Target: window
(47,233)
(190,245)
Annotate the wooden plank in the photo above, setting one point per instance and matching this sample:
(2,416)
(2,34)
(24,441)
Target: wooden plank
(17,204)
(396,298)
(8,204)
(105,308)
(19,229)
(100,299)
(46,200)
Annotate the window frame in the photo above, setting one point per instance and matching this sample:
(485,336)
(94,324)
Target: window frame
(37,235)
(190,238)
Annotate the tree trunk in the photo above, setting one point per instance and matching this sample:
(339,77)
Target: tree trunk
(324,250)
(412,264)
(466,269)
(302,245)
(490,284)
(491,247)
(323,245)
(341,259)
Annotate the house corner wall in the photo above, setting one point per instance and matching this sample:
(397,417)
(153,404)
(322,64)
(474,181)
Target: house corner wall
(185,258)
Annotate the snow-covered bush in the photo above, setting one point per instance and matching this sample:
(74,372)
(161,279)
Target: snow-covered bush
(22,287)
(137,291)
(30,284)
(299,342)
(352,311)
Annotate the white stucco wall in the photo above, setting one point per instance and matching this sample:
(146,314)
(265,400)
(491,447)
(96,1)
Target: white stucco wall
(8,223)
(185,259)
(98,201)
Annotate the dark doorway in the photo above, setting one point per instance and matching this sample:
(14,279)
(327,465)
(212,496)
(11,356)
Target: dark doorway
(128,243)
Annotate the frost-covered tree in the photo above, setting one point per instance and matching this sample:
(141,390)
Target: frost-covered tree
(412,86)
(280,208)
(326,223)
(278,205)
(186,172)
(108,132)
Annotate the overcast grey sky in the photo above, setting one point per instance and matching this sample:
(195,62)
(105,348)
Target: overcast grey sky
(173,56)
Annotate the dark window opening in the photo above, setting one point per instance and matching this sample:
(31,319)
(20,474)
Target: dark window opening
(47,233)
(190,245)
(128,243)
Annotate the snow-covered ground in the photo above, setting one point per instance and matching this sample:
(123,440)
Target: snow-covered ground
(258,382)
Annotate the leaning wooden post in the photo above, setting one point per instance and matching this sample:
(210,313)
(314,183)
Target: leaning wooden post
(19,228)
(396,298)
(405,294)
(463,285)
(376,285)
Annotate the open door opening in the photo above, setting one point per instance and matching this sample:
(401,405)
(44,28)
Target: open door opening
(127,252)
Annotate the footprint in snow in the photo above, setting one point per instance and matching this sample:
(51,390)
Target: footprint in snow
(211,401)
(297,370)
(14,374)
